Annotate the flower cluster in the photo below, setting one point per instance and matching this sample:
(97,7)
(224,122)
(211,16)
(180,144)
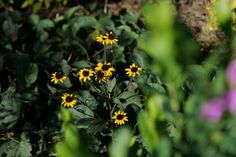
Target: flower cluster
(214,109)
(101,73)
(104,70)
(106,39)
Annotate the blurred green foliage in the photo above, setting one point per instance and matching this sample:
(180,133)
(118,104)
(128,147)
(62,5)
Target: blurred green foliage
(163,104)
(35,5)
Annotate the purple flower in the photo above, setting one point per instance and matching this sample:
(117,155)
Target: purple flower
(230,99)
(213,109)
(231,72)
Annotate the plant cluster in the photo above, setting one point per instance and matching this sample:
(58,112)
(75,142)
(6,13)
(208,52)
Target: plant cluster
(65,63)
(91,83)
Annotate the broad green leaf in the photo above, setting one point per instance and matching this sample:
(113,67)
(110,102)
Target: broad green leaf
(128,97)
(223,10)
(21,149)
(111,85)
(127,37)
(87,99)
(80,22)
(69,13)
(106,23)
(10,108)
(31,73)
(118,55)
(148,131)
(164,148)
(120,144)
(65,67)
(47,3)
(82,64)
(72,144)
(10,30)
(34,19)
(46,23)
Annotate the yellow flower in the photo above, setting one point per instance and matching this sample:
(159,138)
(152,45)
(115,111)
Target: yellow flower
(102,39)
(133,70)
(85,74)
(120,118)
(58,77)
(106,68)
(111,39)
(69,100)
(100,76)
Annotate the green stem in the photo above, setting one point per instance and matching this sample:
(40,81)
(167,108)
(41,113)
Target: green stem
(105,6)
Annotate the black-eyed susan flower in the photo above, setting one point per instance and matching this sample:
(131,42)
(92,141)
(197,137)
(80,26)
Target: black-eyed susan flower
(85,74)
(111,39)
(120,118)
(58,77)
(106,67)
(102,39)
(68,100)
(100,76)
(133,70)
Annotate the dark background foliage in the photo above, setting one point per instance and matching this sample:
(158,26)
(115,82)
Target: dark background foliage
(182,68)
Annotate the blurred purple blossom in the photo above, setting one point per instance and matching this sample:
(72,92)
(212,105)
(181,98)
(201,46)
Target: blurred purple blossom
(231,72)
(230,98)
(213,109)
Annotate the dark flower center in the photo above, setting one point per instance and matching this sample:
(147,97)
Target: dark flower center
(103,38)
(100,74)
(120,117)
(134,69)
(105,67)
(59,75)
(111,37)
(69,98)
(86,73)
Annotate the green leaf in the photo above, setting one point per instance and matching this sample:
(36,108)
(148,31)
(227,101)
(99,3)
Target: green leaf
(10,108)
(12,148)
(31,73)
(46,23)
(72,144)
(127,37)
(34,19)
(106,23)
(87,98)
(118,55)
(128,97)
(69,13)
(65,67)
(96,126)
(47,3)
(120,145)
(148,131)
(10,30)
(164,148)
(82,21)
(82,64)
(111,85)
